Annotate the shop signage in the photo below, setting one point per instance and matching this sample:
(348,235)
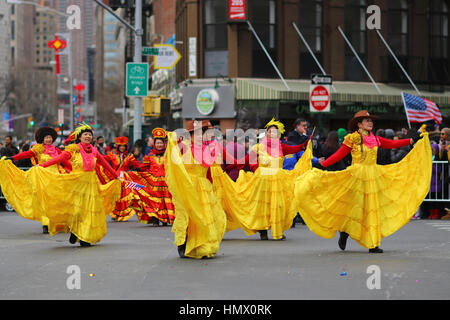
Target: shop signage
(237,10)
(206,101)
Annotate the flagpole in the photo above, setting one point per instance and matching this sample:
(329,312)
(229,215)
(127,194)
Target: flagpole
(359,59)
(406,111)
(398,62)
(268,55)
(311,52)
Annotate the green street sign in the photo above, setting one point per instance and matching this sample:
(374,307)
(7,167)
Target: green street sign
(137,80)
(150,51)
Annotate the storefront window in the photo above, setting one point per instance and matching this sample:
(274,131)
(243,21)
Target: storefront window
(216,38)
(355,30)
(310,25)
(263,19)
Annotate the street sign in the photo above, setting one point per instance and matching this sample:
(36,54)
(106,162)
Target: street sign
(321,79)
(60,115)
(150,51)
(319,98)
(237,10)
(137,80)
(167,56)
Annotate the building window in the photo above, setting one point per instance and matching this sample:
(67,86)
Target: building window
(13,55)
(398,26)
(13,30)
(439,57)
(310,25)
(355,30)
(398,40)
(263,19)
(216,38)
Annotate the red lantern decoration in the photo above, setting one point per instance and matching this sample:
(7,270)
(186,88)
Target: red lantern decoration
(79,87)
(57,45)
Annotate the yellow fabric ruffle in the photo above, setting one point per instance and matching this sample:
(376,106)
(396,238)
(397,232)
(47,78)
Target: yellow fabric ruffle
(367,201)
(200,220)
(74,202)
(262,200)
(17,192)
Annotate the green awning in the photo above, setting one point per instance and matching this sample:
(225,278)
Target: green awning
(361,92)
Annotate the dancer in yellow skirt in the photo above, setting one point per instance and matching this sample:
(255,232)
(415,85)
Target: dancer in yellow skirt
(262,201)
(75,202)
(200,221)
(367,202)
(13,182)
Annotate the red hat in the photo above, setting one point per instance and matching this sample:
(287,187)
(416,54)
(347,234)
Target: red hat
(190,125)
(159,133)
(121,141)
(360,115)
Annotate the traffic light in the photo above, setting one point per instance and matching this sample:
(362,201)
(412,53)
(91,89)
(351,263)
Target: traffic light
(116,4)
(156,106)
(147,8)
(30,122)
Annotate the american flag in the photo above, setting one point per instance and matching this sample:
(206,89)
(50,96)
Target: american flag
(421,110)
(132,185)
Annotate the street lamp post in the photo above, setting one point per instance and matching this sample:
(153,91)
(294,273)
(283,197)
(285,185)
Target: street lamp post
(137,129)
(138,32)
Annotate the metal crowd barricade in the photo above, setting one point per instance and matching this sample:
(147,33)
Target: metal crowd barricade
(441,181)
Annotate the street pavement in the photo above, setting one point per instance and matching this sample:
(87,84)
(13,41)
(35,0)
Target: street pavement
(135,261)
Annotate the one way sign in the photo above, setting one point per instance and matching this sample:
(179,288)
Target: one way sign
(321,79)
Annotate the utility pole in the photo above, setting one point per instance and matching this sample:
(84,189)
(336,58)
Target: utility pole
(137,128)
(138,33)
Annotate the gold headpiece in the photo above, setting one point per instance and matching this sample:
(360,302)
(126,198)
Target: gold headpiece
(277,124)
(75,134)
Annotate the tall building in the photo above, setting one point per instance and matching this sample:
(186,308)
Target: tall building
(45,27)
(82,40)
(21,98)
(216,47)
(4,46)
(44,79)
(109,71)
(4,57)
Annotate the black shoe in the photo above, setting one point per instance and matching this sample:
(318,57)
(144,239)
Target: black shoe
(263,235)
(343,240)
(45,229)
(182,250)
(376,250)
(84,244)
(73,238)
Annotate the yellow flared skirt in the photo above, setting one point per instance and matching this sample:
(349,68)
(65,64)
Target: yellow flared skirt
(200,220)
(367,201)
(18,192)
(262,200)
(74,202)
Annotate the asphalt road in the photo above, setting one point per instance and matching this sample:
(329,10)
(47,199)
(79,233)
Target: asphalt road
(135,261)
